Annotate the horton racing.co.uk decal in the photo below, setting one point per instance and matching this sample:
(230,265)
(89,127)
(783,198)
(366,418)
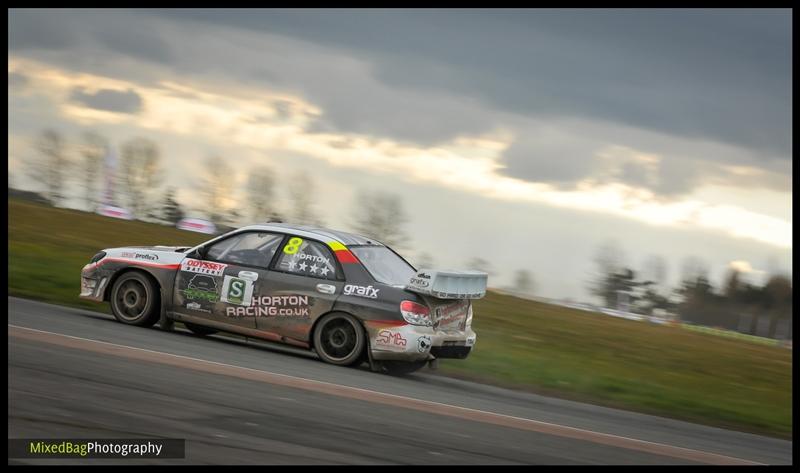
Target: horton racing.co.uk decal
(275,306)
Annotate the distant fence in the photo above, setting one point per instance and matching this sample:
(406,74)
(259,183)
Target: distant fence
(657,320)
(732,334)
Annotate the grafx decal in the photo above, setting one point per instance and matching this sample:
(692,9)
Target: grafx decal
(421,280)
(368,292)
(202,287)
(237,290)
(391,340)
(203,267)
(266,306)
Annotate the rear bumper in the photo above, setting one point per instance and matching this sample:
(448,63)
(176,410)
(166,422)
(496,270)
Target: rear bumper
(405,342)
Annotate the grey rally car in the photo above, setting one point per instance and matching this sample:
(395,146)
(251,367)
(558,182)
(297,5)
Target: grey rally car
(347,297)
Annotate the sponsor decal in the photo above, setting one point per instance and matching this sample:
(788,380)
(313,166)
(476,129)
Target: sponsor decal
(237,290)
(202,287)
(293,246)
(421,280)
(196,306)
(424,344)
(389,339)
(470,341)
(203,267)
(321,269)
(368,292)
(342,253)
(267,306)
(314,258)
(446,315)
(144,256)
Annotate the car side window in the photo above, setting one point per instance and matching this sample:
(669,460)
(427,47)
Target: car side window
(307,258)
(249,249)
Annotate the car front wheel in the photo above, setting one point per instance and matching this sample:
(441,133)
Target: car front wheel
(135,300)
(339,339)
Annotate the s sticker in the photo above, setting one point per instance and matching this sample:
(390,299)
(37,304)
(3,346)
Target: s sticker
(237,291)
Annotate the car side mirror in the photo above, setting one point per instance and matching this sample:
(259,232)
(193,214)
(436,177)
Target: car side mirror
(199,253)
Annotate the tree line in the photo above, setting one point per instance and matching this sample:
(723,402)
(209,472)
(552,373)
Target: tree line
(737,304)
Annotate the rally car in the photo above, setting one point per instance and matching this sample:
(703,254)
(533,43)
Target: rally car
(347,297)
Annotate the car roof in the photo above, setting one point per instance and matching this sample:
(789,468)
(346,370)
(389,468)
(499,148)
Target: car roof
(325,234)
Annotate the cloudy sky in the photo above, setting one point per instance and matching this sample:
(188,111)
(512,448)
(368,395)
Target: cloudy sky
(528,138)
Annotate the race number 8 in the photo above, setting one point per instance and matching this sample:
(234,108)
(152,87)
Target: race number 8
(293,245)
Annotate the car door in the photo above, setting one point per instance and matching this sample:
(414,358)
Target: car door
(217,286)
(303,284)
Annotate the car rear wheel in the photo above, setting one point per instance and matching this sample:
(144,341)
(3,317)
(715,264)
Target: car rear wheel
(200,329)
(398,368)
(339,339)
(135,300)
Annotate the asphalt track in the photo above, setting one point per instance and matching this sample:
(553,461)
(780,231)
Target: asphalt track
(80,374)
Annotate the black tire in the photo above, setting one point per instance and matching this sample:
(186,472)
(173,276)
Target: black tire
(135,300)
(339,339)
(200,329)
(399,368)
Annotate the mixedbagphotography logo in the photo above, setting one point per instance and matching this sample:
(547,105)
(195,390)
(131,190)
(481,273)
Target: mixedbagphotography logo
(96,448)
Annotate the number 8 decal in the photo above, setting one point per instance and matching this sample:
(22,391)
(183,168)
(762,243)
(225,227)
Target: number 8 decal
(293,246)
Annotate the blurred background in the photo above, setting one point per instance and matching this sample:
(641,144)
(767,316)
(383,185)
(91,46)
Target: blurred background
(623,176)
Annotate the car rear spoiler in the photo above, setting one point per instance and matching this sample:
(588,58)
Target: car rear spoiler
(449,284)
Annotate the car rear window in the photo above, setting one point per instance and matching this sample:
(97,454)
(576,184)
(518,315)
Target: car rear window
(383,264)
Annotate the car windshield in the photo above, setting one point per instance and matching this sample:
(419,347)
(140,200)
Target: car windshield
(384,264)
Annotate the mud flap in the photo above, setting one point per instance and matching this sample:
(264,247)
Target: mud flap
(374,365)
(164,322)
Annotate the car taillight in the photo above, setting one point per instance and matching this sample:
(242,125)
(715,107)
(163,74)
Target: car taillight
(415,314)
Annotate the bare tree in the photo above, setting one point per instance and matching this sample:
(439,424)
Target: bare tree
(139,173)
(52,168)
(523,282)
(301,195)
(380,215)
(261,193)
(655,269)
(425,260)
(693,269)
(93,150)
(609,257)
(611,276)
(480,264)
(217,185)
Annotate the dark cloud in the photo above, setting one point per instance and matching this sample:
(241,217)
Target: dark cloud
(60,30)
(717,74)
(109,100)
(35,29)
(425,77)
(15,79)
(137,41)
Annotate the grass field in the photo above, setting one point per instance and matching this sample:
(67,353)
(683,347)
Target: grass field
(522,344)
